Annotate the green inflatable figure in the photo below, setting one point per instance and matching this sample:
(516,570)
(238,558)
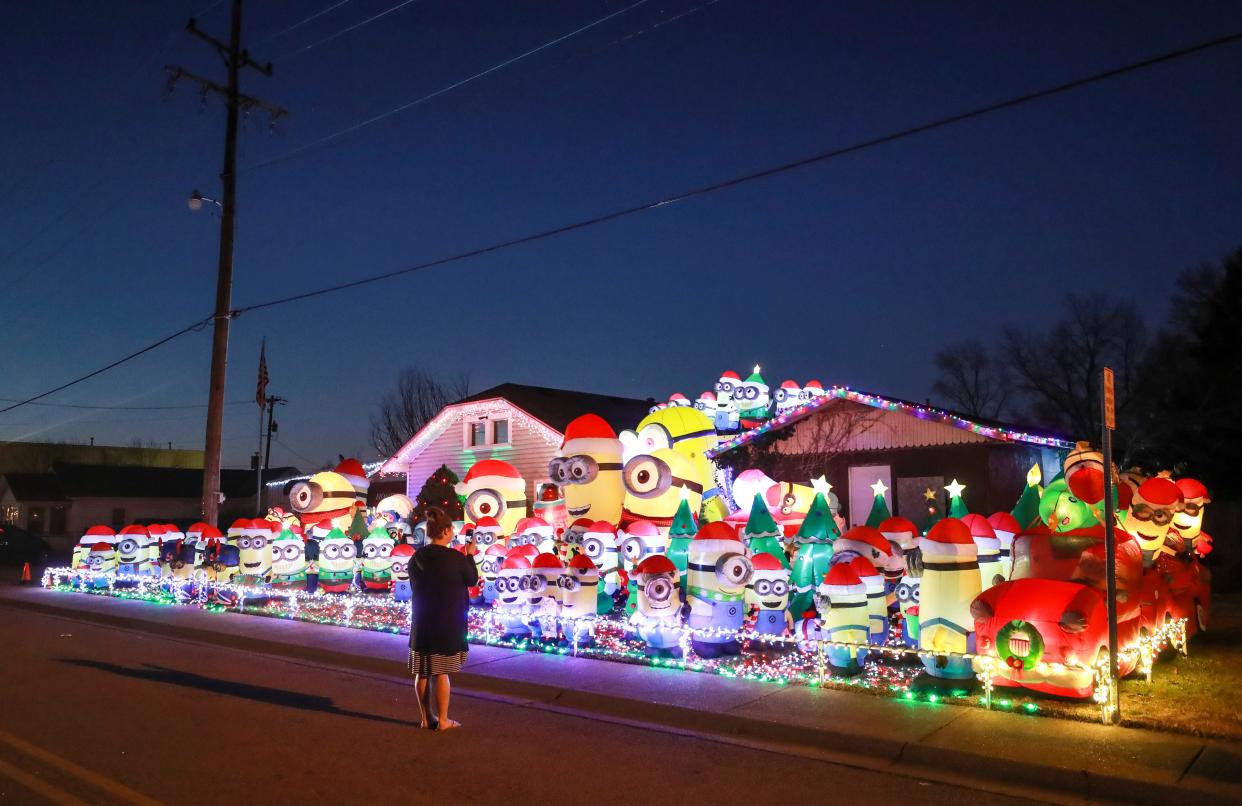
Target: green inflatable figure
(1060,511)
(1026,511)
(814,541)
(762,535)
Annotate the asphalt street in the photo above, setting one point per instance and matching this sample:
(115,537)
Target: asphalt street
(95,714)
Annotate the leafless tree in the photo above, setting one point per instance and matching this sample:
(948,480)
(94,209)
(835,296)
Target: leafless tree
(824,435)
(1057,373)
(417,398)
(972,380)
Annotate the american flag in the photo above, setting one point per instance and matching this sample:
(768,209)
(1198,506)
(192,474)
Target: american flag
(260,395)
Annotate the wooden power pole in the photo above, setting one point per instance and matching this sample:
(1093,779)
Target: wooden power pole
(235,58)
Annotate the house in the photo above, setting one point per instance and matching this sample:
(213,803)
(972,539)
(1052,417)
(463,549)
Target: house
(63,503)
(519,424)
(855,439)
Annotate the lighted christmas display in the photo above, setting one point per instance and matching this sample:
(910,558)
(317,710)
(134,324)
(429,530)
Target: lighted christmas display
(647,561)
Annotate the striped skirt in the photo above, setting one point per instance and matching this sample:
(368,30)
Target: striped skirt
(426,664)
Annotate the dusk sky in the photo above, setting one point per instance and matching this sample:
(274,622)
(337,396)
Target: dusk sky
(853,271)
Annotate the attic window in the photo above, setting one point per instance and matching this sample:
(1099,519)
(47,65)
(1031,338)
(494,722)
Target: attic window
(476,437)
(500,432)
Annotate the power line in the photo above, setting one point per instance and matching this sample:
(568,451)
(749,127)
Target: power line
(813,159)
(804,162)
(322,141)
(344,31)
(199,325)
(123,408)
(302,22)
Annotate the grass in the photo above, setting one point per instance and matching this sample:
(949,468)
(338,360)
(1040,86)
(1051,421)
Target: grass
(1200,694)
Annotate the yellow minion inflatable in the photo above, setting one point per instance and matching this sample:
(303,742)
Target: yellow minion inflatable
(494,489)
(690,433)
(589,470)
(654,485)
(323,497)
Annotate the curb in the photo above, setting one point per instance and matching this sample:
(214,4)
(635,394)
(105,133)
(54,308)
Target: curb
(909,759)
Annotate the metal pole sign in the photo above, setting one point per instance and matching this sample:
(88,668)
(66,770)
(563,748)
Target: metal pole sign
(1109,422)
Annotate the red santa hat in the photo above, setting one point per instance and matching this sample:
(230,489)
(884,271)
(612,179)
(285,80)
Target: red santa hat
(765,561)
(1160,492)
(642,529)
(496,550)
(730,375)
(99,530)
(678,399)
(708,396)
(601,527)
(102,547)
(843,580)
(320,530)
(589,426)
(1193,490)
(515,561)
(487,522)
(489,468)
(791,384)
(1003,523)
(950,539)
(979,526)
(582,523)
(656,564)
(867,572)
(871,536)
(718,530)
(355,474)
(581,562)
(402,550)
(899,530)
(526,550)
(814,386)
(208,532)
(133,530)
(547,560)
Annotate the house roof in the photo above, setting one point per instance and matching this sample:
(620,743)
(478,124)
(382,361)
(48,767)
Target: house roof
(34,486)
(112,481)
(557,407)
(547,412)
(987,429)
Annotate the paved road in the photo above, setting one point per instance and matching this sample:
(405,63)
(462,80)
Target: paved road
(104,715)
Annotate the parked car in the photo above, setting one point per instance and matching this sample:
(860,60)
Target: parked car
(18,546)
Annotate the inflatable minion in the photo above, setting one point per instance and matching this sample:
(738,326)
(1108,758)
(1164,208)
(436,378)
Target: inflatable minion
(338,562)
(494,489)
(842,605)
(639,540)
(489,562)
(93,535)
(718,570)
(753,400)
(375,556)
(513,597)
(579,601)
(289,563)
(589,470)
(654,486)
(1004,526)
(545,598)
(950,582)
(657,614)
(726,414)
(255,556)
(599,544)
(768,593)
(788,397)
(101,561)
(690,433)
(402,555)
(132,554)
(988,546)
(324,496)
(877,603)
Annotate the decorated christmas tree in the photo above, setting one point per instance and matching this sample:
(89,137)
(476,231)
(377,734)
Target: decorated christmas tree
(814,541)
(1026,511)
(957,507)
(438,491)
(680,533)
(879,507)
(357,528)
(761,532)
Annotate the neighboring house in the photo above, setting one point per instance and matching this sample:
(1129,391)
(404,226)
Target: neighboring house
(519,424)
(855,439)
(38,457)
(63,503)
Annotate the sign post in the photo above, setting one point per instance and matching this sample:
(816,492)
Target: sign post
(1108,423)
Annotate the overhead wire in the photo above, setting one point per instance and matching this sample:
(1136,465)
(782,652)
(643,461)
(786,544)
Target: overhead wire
(325,40)
(337,135)
(302,22)
(735,181)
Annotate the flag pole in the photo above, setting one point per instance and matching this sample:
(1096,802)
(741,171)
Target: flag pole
(261,399)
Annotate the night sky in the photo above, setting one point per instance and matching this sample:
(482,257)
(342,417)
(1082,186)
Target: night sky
(853,271)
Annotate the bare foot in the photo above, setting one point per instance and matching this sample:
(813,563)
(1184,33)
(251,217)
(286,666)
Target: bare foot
(424,724)
(448,724)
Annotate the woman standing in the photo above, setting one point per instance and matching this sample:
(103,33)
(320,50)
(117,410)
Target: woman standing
(441,578)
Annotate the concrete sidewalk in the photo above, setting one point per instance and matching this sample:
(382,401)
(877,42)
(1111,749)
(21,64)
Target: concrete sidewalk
(1004,752)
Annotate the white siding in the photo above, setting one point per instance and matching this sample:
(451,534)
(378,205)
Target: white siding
(528,450)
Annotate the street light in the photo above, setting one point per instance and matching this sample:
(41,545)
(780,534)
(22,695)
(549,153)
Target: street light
(196,200)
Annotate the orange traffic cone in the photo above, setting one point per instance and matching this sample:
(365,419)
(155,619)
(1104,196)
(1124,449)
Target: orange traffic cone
(25,575)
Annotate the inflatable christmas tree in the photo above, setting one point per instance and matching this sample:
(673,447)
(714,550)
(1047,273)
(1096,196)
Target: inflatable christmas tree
(879,507)
(814,541)
(1026,511)
(680,533)
(762,534)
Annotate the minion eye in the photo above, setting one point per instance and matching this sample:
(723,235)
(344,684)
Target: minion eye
(331,551)
(647,476)
(632,548)
(348,551)
(385,549)
(659,589)
(305,496)
(733,568)
(483,504)
(593,547)
(369,551)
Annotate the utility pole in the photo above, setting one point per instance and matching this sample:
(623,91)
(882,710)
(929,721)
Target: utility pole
(272,402)
(235,58)
(1108,422)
